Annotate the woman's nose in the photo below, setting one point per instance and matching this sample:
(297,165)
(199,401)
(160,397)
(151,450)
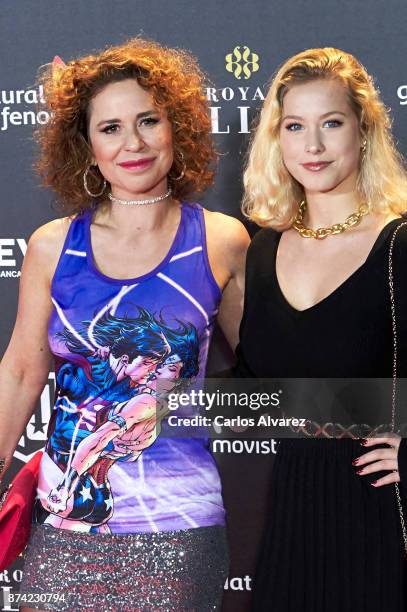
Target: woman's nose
(134,142)
(314,144)
(315,148)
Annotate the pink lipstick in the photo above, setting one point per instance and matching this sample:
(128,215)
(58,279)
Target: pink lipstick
(316,166)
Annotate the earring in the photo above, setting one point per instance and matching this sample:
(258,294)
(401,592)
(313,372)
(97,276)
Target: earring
(184,167)
(85,185)
(363,147)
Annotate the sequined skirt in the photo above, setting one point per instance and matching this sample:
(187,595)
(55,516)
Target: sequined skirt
(166,571)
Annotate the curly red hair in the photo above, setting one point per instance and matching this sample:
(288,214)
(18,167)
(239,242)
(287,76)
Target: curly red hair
(176,83)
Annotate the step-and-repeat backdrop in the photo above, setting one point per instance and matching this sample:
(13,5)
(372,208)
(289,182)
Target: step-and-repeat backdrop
(239,45)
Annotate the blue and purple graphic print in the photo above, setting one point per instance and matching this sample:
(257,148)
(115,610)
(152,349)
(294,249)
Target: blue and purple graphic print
(120,345)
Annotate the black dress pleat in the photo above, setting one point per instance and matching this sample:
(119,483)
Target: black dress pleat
(333,542)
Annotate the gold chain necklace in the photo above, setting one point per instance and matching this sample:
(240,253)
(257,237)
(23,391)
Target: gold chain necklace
(323,232)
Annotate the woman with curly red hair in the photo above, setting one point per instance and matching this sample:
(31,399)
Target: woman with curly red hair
(123,294)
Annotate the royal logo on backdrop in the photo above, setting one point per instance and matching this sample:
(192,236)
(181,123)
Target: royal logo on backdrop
(242,63)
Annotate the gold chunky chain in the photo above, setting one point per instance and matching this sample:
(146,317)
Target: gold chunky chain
(323,232)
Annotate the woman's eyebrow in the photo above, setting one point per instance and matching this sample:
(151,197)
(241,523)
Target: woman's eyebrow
(334,112)
(138,116)
(298,117)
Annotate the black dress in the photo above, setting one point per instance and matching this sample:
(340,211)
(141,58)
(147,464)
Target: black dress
(333,542)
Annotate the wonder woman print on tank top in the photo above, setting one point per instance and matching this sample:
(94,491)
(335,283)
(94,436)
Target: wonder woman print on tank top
(113,342)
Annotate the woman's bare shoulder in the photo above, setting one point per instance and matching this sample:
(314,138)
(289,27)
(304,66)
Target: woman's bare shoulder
(46,243)
(226,232)
(50,237)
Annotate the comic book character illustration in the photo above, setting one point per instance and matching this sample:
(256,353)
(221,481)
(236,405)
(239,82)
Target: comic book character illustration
(104,362)
(122,431)
(126,351)
(180,366)
(132,348)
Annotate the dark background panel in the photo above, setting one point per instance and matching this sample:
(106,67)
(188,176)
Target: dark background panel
(33,32)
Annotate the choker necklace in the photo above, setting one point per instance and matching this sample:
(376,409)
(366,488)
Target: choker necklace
(140,202)
(323,232)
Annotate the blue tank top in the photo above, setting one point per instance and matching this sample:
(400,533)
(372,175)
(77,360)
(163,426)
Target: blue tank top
(118,345)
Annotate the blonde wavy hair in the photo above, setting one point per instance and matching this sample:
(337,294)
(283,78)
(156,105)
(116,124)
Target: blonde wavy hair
(272,195)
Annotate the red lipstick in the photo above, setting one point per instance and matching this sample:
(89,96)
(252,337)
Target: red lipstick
(136,163)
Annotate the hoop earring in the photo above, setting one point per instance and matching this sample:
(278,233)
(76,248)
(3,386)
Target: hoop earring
(363,147)
(85,185)
(184,167)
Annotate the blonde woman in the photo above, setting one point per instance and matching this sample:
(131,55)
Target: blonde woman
(327,185)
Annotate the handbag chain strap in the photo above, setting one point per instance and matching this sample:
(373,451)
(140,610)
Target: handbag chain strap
(394,377)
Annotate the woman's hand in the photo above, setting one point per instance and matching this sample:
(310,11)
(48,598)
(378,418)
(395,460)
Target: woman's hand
(380,459)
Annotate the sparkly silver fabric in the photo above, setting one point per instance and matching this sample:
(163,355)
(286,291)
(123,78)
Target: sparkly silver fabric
(167,571)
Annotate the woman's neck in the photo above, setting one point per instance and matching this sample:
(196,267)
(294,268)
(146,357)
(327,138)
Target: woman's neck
(144,217)
(325,209)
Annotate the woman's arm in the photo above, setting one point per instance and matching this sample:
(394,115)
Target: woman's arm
(145,430)
(139,408)
(228,241)
(25,366)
